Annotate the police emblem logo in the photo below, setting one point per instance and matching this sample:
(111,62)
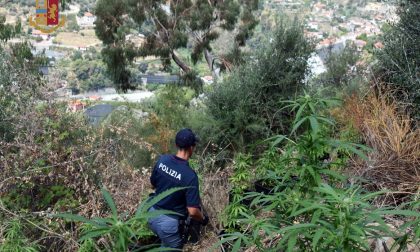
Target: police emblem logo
(47,17)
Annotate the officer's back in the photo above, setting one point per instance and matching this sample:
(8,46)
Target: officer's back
(173,171)
(169,172)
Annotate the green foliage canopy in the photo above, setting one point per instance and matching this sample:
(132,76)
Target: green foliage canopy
(171,25)
(8,31)
(246,103)
(399,60)
(339,67)
(84,71)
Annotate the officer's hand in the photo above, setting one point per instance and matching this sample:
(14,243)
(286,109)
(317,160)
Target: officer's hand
(205,220)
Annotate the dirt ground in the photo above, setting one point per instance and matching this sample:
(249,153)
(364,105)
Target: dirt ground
(205,244)
(76,39)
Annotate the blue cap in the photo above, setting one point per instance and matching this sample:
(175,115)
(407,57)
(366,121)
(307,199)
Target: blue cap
(185,138)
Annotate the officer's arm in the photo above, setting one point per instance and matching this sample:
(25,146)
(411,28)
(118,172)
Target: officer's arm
(193,200)
(153,178)
(195,213)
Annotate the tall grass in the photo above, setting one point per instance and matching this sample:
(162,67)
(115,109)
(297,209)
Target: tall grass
(394,162)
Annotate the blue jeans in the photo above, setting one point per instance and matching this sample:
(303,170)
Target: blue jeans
(167,228)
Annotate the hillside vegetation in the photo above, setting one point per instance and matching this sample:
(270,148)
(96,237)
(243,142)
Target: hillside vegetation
(286,161)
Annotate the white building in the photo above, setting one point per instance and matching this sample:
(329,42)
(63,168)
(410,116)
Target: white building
(40,34)
(87,20)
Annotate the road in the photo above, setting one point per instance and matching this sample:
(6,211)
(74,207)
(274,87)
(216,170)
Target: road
(109,94)
(160,79)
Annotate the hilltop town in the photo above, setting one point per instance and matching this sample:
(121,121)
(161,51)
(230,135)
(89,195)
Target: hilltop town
(332,24)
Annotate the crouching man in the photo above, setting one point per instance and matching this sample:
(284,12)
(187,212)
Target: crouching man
(174,171)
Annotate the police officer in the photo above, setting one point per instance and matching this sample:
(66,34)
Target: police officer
(174,171)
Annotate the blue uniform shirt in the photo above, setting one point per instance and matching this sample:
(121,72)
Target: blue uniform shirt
(171,171)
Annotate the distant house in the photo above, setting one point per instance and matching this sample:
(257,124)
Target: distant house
(207,79)
(75,105)
(370,28)
(43,70)
(357,22)
(87,20)
(40,34)
(316,35)
(66,92)
(331,46)
(379,17)
(360,44)
(328,14)
(379,45)
(319,6)
(316,65)
(278,1)
(97,113)
(95,98)
(326,42)
(313,25)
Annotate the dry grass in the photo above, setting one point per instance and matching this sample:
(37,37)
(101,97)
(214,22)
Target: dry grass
(94,160)
(215,196)
(76,39)
(394,163)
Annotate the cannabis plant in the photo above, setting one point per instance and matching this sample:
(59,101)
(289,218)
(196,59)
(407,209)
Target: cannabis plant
(240,181)
(332,219)
(319,211)
(308,157)
(121,231)
(14,239)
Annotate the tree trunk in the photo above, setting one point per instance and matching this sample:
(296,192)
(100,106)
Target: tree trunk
(210,62)
(209,59)
(180,63)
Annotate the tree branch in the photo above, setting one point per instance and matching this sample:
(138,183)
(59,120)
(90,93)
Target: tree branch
(210,62)
(180,63)
(6,2)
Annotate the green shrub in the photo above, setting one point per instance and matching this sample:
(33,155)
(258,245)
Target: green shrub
(153,87)
(246,103)
(72,23)
(204,125)
(167,114)
(341,68)
(8,31)
(171,105)
(146,136)
(27,196)
(314,154)
(399,60)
